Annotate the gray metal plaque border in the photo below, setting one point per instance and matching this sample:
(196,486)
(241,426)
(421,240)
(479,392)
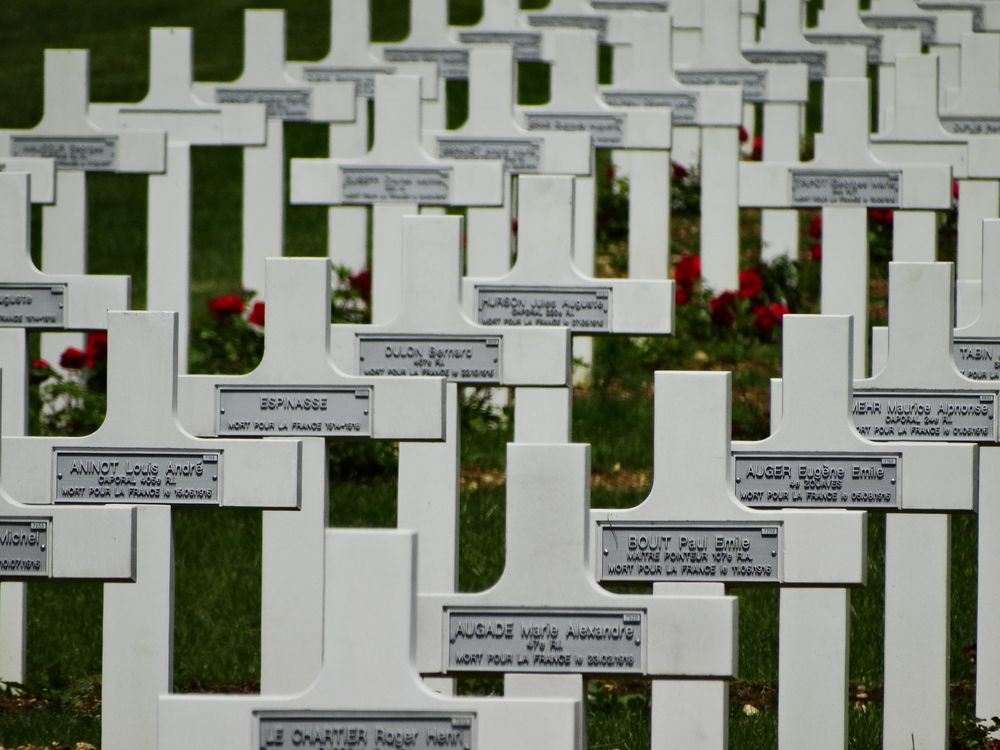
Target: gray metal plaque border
(330,429)
(41,524)
(463,720)
(895,175)
(487,341)
(568,320)
(865,428)
(54,305)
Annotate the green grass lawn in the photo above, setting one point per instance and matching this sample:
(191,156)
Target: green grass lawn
(218,585)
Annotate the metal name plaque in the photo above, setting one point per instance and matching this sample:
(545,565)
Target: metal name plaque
(362,78)
(582,310)
(873,43)
(977,359)
(808,480)
(978,15)
(605,130)
(591,23)
(283,104)
(971,125)
(527,45)
(294,412)
(517,154)
(363,730)
(815,59)
(32,305)
(929,415)
(551,641)
(88,153)
(453,64)
(178,477)
(683,106)
(630,4)
(460,359)
(754,82)
(25,547)
(926,25)
(839,188)
(385,184)
(731,553)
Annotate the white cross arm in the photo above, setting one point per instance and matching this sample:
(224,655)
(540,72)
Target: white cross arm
(42,172)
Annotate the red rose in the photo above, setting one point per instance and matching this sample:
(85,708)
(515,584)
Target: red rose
(513,227)
(256,316)
(723,309)
(744,135)
(230,304)
(97,348)
(954,189)
(687,270)
(766,317)
(682,295)
(751,284)
(361,282)
(40,364)
(758,148)
(73,358)
(680,171)
(816,226)
(816,253)
(612,173)
(882,216)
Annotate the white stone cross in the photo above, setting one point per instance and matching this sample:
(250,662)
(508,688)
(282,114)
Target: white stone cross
(171,106)
(782,39)
(368,694)
(918,393)
(692,529)
(576,104)
(840,23)
(503,23)
(395,177)
(569,14)
(985,15)
(705,120)
(431,335)
(265,80)
(49,301)
(533,624)
(66,134)
(352,59)
(844,178)
(297,391)
(814,458)
(141,456)
(491,133)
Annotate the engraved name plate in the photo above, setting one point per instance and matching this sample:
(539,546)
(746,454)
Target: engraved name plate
(176,477)
(970,125)
(593,23)
(25,547)
(89,153)
(754,82)
(605,130)
(630,4)
(836,188)
(815,59)
(527,45)
(808,480)
(386,184)
(518,154)
(584,310)
(978,16)
(977,359)
(873,43)
(683,106)
(453,64)
(294,411)
(929,415)
(737,552)
(362,78)
(363,730)
(32,305)
(284,104)
(521,640)
(460,359)
(926,25)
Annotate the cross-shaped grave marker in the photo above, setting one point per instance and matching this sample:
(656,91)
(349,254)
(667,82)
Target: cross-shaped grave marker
(66,134)
(692,529)
(569,14)
(840,23)
(296,391)
(491,133)
(844,179)
(42,171)
(985,16)
(265,80)
(368,694)
(503,23)
(546,631)
(918,394)
(171,106)
(814,458)
(431,335)
(706,118)
(351,59)
(141,456)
